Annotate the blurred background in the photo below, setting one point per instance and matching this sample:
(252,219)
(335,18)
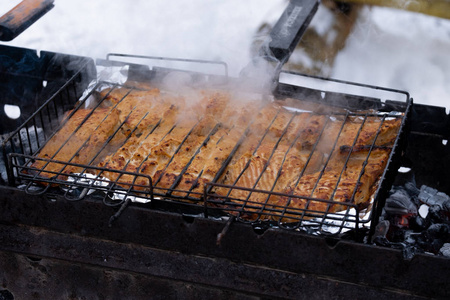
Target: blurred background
(398,44)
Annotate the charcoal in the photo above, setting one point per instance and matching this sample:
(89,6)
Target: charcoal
(434,214)
(408,251)
(382,241)
(437,215)
(432,239)
(381,230)
(446,206)
(442,199)
(436,245)
(6,295)
(397,234)
(418,224)
(399,203)
(433,197)
(426,193)
(438,231)
(403,227)
(445,250)
(438,202)
(412,189)
(411,237)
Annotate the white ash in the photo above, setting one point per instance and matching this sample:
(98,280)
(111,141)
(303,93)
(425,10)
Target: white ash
(423,210)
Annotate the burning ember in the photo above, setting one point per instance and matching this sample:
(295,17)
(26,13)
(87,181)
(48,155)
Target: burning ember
(415,220)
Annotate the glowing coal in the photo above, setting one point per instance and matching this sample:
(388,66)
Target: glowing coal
(415,221)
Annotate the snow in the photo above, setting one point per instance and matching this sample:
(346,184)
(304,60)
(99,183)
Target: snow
(390,48)
(323,21)
(197,29)
(7,6)
(401,50)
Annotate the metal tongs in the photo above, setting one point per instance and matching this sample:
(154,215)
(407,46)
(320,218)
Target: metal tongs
(15,21)
(265,68)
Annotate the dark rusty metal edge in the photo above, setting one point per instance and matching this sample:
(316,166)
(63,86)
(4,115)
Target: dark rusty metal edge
(43,246)
(85,224)
(22,16)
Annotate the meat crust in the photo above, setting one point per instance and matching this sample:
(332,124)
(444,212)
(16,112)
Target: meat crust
(82,140)
(278,164)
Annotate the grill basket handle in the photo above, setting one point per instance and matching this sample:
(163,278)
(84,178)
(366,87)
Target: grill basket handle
(22,16)
(289,29)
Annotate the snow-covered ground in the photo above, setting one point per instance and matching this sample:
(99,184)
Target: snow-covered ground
(399,49)
(390,48)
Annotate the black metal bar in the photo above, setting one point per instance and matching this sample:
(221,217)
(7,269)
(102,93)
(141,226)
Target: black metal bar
(291,26)
(199,61)
(119,212)
(364,85)
(36,135)
(53,263)
(392,166)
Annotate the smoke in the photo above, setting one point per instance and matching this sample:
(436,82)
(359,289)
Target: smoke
(260,75)
(180,80)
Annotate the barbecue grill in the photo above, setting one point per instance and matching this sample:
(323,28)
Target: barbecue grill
(87,231)
(26,142)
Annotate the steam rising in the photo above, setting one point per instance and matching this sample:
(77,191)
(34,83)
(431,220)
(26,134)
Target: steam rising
(180,82)
(260,75)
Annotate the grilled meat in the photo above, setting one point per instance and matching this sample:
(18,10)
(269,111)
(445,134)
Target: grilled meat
(343,169)
(276,162)
(85,137)
(348,179)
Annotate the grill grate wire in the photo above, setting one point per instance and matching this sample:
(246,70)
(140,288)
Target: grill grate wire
(33,135)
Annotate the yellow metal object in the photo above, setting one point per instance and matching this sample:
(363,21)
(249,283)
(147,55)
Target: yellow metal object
(437,8)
